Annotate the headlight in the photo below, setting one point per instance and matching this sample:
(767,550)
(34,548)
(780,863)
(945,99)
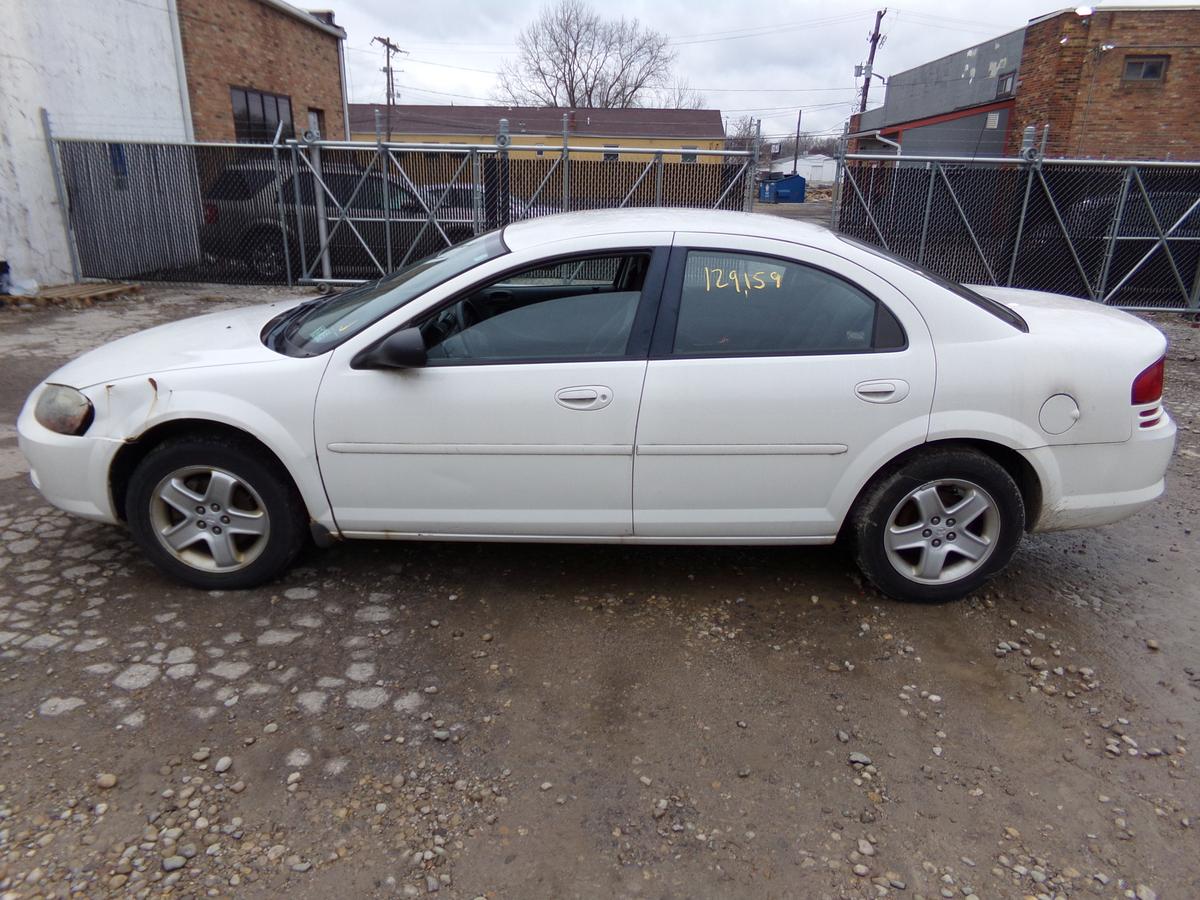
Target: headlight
(64,410)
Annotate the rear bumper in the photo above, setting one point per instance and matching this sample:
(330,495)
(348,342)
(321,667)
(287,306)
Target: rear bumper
(1085,485)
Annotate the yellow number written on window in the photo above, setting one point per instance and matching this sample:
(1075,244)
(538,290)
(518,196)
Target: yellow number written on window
(743,283)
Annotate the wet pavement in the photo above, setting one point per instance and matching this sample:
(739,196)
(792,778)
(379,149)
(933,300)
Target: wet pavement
(555,721)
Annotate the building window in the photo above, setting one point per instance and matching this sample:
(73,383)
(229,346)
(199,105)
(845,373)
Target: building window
(1145,68)
(610,157)
(1005,84)
(256,115)
(688,157)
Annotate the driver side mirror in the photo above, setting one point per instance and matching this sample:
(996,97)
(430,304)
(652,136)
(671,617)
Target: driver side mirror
(404,349)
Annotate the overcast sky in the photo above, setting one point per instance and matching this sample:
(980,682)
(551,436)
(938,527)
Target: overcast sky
(763,59)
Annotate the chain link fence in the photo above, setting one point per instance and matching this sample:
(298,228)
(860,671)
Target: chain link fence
(1122,233)
(343,212)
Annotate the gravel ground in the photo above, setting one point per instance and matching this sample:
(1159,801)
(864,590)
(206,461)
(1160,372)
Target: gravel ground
(555,721)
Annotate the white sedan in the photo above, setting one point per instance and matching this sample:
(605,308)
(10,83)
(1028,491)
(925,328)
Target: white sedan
(629,376)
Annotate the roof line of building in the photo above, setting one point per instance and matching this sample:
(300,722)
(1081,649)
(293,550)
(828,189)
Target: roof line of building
(307,18)
(1107,8)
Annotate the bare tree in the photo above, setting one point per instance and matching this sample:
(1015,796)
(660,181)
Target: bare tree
(570,56)
(739,134)
(680,95)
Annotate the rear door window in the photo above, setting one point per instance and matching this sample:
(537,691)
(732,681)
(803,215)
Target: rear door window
(742,304)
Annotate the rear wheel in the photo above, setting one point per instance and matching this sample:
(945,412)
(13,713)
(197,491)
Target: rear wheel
(268,257)
(938,526)
(212,514)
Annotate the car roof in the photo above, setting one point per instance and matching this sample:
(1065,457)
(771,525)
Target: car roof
(531,233)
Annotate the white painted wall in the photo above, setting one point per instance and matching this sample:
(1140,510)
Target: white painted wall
(104,70)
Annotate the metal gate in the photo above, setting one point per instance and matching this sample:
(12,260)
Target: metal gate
(1124,233)
(344,212)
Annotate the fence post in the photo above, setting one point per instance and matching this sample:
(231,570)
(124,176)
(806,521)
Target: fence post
(61,191)
(503,174)
(1111,245)
(283,229)
(839,173)
(299,209)
(928,212)
(752,167)
(1194,303)
(384,156)
(566,164)
(319,197)
(1031,163)
(658,179)
(476,192)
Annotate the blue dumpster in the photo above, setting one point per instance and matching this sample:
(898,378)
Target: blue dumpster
(789,189)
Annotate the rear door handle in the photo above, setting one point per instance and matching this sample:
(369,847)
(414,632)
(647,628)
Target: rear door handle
(587,396)
(886,390)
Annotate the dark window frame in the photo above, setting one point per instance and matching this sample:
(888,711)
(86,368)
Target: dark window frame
(250,131)
(640,333)
(1011,78)
(1141,60)
(663,342)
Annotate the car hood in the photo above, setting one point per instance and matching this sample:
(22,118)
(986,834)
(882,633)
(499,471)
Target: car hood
(218,339)
(1047,313)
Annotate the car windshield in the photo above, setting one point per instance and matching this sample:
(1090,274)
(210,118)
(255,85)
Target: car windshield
(319,325)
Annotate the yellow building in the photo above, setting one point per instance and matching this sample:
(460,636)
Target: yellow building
(538,131)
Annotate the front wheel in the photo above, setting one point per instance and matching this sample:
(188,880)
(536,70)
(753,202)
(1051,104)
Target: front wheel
(938,526)
(212,514)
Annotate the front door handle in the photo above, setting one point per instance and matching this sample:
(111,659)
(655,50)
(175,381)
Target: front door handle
(885,390)
(587,396)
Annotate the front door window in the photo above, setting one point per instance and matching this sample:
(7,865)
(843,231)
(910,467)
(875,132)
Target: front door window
(575,309)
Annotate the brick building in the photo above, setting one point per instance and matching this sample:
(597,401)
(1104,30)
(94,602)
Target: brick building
(1116,82)
(253,63)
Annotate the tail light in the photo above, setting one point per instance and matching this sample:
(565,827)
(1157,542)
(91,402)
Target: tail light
(211,214)
(1148,386)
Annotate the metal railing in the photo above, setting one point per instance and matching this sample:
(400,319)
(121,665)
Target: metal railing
(1123,232)
(346,211)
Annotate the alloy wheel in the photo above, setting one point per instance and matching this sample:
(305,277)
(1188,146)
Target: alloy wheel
(942,531)
(209,519)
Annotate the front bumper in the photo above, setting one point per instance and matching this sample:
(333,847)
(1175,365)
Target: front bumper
(71,472)
(1085,485)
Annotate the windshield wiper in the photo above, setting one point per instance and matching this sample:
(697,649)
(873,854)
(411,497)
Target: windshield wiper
(275,338)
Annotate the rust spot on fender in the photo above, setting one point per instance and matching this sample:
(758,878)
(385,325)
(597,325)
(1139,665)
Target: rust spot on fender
(154,399)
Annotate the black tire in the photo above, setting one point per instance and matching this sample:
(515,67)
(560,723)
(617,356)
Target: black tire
(952,472)
(262,486)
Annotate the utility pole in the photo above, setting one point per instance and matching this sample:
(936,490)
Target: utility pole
(389,49)
(862,107)
(796,148)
